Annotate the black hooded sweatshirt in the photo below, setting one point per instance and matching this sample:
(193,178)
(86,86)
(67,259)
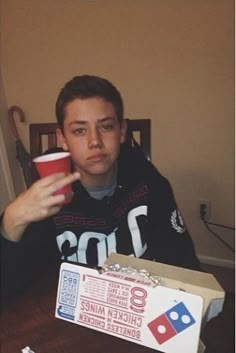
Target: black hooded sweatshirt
(140,219)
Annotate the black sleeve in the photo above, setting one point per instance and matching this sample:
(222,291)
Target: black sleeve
(171,241)
(22,262)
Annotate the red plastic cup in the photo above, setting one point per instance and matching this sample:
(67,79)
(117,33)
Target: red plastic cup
(55,163)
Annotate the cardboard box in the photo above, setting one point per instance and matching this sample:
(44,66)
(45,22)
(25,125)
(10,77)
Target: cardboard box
(167,317)
(198,283)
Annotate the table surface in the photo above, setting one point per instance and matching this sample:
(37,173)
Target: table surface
(29,320)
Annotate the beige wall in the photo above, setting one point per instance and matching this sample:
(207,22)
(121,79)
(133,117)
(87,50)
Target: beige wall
(173,61)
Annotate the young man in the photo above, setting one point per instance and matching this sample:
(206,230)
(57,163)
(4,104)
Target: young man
(121,203)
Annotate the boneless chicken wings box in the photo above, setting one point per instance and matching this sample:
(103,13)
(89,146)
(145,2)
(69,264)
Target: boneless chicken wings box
(155,305)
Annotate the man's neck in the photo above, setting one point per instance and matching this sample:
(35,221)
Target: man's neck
(100,181)
(99,191)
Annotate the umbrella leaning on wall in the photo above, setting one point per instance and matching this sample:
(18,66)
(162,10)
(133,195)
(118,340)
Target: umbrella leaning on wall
(21,154)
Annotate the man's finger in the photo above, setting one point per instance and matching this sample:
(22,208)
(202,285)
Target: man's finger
(64,181)
(50,179)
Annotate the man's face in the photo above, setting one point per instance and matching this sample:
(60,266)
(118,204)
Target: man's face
(92,134)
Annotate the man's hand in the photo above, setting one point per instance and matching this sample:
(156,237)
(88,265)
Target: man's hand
(36,203)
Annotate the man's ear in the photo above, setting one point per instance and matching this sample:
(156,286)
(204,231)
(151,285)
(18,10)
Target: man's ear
(124,126)
(61,139)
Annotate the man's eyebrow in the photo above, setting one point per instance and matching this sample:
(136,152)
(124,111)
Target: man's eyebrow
(78,122)
(112,118)
(84,122)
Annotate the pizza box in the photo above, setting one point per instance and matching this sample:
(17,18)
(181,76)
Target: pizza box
(194,282)
(166,316)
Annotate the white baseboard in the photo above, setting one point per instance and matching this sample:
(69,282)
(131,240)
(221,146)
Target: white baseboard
(215,261)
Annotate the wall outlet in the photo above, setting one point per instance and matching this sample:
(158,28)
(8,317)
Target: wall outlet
(204,208)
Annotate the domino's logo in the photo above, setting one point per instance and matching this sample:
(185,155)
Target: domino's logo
(171,323)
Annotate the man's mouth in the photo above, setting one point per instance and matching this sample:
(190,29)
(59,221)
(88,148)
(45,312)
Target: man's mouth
(97,157)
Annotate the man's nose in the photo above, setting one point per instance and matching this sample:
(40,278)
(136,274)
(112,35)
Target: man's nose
(94,138)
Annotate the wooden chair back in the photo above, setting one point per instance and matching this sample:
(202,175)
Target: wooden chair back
(43,136)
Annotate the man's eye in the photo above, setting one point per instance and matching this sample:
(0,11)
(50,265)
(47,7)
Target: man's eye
(79,131)
(107,127)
